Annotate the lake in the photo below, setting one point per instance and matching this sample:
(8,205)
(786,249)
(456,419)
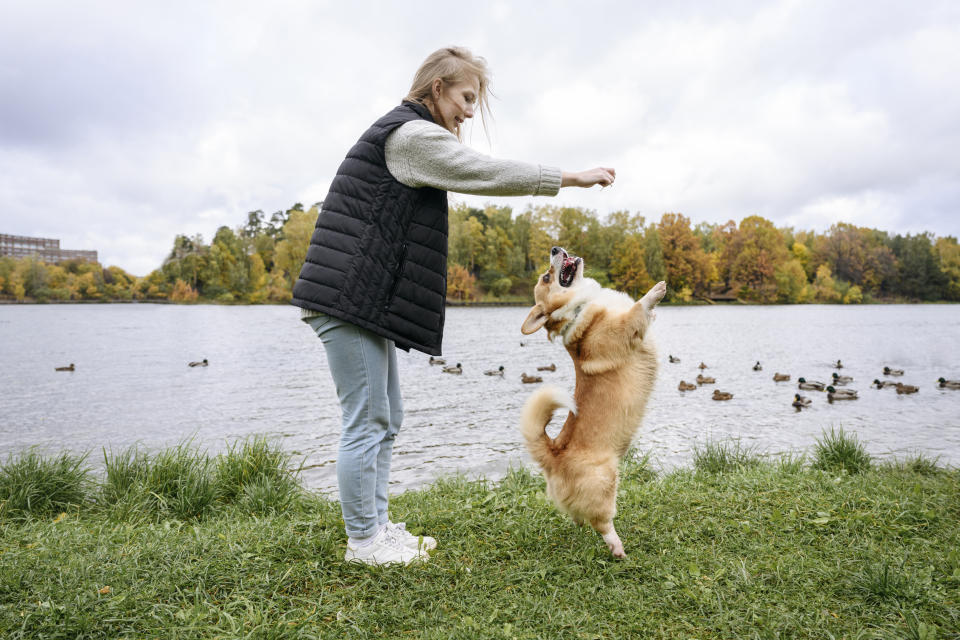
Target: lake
(267,375)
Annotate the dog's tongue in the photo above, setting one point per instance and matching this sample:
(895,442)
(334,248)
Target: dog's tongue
(569,260)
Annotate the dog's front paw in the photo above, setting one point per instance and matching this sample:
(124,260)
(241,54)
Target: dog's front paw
(653,296)
(657,291)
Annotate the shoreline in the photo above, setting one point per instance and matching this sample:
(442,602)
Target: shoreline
(489,303)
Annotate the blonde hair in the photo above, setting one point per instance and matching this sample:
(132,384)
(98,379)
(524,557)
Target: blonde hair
(451,65)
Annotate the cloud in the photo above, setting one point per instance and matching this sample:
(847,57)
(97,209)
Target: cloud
(124,125)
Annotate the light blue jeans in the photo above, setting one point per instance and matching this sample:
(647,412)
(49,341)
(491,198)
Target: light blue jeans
(364,370)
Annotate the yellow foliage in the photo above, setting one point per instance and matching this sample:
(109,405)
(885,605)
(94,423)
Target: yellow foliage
(461,285)
(183,292)
(854,295)
(292,250)
(824,286)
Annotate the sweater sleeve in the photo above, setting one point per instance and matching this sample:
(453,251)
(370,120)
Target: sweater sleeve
(423,154)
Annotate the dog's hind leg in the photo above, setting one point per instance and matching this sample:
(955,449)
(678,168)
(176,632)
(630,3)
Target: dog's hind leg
(610,536)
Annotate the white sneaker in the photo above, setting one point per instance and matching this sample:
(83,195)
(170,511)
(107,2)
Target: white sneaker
(385,548)
(424,543)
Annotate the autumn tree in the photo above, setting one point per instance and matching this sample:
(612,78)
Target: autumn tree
(754,253)
(948,256)
(629,269)
(183,292)
(791,279)
(461,284)
(292,249)
(687,265)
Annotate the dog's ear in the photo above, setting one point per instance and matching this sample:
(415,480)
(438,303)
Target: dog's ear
(535,320)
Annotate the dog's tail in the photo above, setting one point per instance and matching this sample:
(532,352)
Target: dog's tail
(536,415)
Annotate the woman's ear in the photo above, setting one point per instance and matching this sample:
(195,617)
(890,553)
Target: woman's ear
(535,320)
(435,90)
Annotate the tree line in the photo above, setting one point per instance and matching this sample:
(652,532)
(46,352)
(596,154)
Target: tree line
(496,253)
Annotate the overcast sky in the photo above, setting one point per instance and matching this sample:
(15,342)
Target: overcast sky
(124,123)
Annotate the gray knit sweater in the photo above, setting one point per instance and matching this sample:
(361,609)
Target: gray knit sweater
(420,153)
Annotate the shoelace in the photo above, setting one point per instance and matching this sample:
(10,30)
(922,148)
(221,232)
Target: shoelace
(391,538)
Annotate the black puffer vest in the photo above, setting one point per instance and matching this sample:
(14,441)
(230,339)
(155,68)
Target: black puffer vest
(378,254)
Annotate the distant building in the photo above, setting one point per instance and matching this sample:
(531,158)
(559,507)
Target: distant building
(46,249)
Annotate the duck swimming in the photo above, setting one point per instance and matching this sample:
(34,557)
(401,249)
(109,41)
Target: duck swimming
(702,379)
(758,366)
(686,386)
(199,363)
(70,367)
(549,367)
(524,378)
(800,401)
(882,384)
(781,377)
(673,359)
(948,384)
(455,370)
(721,395)
(813,385)
(839,365)
(840,394)
(906,388)
(841,380)
(437,360)
(494,372)
(702,366)
(887,371)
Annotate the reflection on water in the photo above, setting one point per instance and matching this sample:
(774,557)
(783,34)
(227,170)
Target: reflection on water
(267,374)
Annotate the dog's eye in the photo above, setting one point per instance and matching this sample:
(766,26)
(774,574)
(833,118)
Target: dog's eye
(546,277)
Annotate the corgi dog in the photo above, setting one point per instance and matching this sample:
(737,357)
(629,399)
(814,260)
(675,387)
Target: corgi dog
(604,331)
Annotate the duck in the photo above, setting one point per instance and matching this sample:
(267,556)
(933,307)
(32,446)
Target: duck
(549,367)
(781,377)
(721,395)
(813,385)
(758,366)
(71,367)
(198,363)
(494,372)
(841,380)
(686,386)
(840,394)
(455,369)
(524,378)
(702,366)
(800,401)
(673,359)
(887,371)
(437,360)
(881,384)
(944,383)
(839,365)
(906,388)
(702,379)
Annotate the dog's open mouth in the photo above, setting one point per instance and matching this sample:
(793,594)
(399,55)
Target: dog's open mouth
(569,269)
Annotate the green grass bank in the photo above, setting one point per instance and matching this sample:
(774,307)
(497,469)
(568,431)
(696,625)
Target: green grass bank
(178,544)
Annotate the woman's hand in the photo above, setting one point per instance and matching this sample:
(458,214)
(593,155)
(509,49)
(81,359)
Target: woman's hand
(602,176)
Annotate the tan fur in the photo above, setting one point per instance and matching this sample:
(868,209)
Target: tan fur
(615,372)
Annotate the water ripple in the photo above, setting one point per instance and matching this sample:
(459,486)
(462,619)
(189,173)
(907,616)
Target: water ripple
(268,375)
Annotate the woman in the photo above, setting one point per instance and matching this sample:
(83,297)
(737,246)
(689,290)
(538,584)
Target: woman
(375,274)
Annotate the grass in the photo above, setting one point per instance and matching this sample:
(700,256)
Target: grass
(723,456)
(841,451)
(33,485)
(756,549)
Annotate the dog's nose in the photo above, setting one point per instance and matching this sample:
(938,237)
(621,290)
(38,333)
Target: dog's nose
(555,251)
